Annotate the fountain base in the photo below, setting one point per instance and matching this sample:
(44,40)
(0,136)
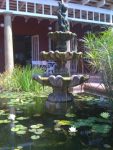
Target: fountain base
(59,102)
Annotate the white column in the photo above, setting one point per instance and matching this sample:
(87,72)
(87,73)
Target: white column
(8,43)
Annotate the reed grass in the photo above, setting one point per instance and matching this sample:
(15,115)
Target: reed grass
(21,79)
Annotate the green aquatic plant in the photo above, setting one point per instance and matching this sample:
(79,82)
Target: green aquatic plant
(22,118)
(37,126)
(70,115)
(29,103)
(57,129)
(19,129)
(37,130)
(101,128)
(105,115)
(64,122)
(18,148)
(35,137)
(4,121)
(2,113)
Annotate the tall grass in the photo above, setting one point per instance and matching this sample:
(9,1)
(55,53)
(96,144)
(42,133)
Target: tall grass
(21,79)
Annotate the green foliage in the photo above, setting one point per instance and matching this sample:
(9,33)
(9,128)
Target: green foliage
(70,115)
(6,121)
(101,55)
(19,148)
(37,130)
(19,129)
(36,126)
(63,122)
(21,79)
(101,128)
(105,115)
(35,137)
(30,103)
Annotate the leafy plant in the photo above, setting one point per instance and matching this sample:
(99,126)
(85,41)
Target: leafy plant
(21,79)
(100,52)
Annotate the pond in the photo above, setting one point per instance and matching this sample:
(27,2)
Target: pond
(86,126)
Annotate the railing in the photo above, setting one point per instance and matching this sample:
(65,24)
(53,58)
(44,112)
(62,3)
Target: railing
(48,8)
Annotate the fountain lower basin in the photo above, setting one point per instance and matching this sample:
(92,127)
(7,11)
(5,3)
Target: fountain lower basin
(61,82)
(60,100)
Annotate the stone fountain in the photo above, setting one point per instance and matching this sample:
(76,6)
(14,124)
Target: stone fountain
(60,99)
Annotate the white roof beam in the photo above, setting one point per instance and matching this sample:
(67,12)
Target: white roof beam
(101,3)
(84,2)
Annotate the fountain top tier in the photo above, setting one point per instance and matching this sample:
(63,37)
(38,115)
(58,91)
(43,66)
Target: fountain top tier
(63,24)
(63,34)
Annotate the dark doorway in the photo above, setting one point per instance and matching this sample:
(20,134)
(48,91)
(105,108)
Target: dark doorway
(22,50)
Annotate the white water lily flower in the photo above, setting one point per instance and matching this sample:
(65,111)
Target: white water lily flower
(12,117)
(72,129)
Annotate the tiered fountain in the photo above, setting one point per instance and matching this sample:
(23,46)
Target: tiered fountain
(60,81)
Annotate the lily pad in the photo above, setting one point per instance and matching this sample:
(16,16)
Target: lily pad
(35,137)
(57,129)
(14,129)
(4,121)
(70,115)
(21,132)
(37,126)
(64,122)
(18,148)
(32,130)
(39,131)
(19,129)
(101,128)
(105,115)
(16,121)
(22,118)
(2,112)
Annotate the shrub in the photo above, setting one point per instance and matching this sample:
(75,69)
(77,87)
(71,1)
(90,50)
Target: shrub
(101,53)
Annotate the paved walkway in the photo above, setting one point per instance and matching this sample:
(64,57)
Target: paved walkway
(93,85)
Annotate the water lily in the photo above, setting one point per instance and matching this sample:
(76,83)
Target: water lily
(12,117)
(72,129)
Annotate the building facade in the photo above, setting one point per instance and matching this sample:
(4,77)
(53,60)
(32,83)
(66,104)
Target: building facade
(24,26)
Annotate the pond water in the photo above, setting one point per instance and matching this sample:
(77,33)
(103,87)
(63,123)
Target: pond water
(86,126)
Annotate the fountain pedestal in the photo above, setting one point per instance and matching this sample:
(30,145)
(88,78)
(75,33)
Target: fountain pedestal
(59,101)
